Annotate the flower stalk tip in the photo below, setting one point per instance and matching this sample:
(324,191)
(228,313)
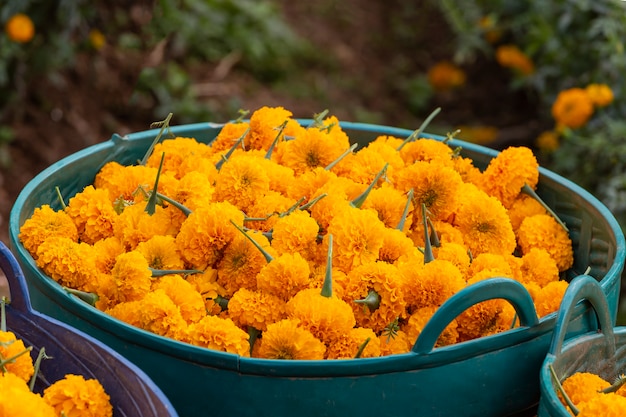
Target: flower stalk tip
(371,301)
(269,258)
(88,297)
(327,288)
(164,125)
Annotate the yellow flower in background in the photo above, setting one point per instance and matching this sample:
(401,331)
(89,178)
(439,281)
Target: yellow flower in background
(572,108)
(490,29)
(445,76)
(482,135)
(511,56)
(74,395)
(600,94)
(97,39)
(20,28)
(548,141)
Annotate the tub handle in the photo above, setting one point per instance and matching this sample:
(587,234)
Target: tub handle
(499,287)
(20,300)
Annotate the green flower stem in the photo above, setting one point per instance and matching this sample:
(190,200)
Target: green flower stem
(3,315)
(292,208)
(318,119)
(428,250)
(434,237)
(391,330)
(405,212)
(228,154)
(327,288)
(343,155)
(312,202)
(281,128)
(186,211)
(162,272)
(88,297)
(164,125)
(358,202)
(529,191)
(60,197)
(619,381)
(372,301)
(152,201)
(569,402)
(253,333)
(222,302)
(416,134)
(361,348)
(269,258)
(42,355)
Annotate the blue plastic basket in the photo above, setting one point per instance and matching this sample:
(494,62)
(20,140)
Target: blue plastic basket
(603,354)
(492,376)
(131,391)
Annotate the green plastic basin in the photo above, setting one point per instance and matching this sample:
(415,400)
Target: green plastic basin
(493,376)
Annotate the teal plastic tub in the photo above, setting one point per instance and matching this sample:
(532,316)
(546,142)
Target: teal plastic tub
(492,376)
(603,353)
(131,391)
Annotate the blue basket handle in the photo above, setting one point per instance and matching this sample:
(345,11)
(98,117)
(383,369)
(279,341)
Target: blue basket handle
(505,288)
(583,287)
(15,277)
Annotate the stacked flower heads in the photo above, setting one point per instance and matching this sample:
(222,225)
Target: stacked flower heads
(235,255)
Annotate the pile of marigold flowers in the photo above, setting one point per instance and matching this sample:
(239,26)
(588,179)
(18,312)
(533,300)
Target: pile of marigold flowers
(589,395)
(284,241)
(71,396)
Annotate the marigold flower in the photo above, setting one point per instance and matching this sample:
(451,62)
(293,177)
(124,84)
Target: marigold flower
(10,346)
(431,284)
(364,166)
(206,284)
(508,172)
(124,182)
(427,150)
(295,232)
(484,319)
(174,152)
(389,203)
(312,149)
(467,170)
(581,387)
(418,320)
(539,267)
(572,108)
(285,339)
(161,253)
(242,261)
(74,395)
(490,261)
(357,236)
(92,212)
(97,39)
(482,135)
(394,345)
(445,76)
(135,225)
(132,275)
(455,253)
(184,295)
(600,94)
(548,299)
(219,334)
(45,223)
(397,245)
(284,276)
(20,28)
(69,263)
(524,206)
(335,200)
(309,183)
(228,136)
(206,232)
(384,279)
(484,223)
(326,317)
(605,405)
(241,181)
(348,344)
(105,252)
(543,231)
(511,56)
(256,309)
(264,126)
(548,141)
(387,146)
(16,399)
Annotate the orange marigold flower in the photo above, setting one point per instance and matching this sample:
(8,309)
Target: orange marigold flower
(397,245)
(490,261)
(348,344)
(265,123)
(123,182)
(206,284)
(467,170)
(511,56)
(174,152)
(427,150)
(69,263)
(295,232)
(389,203)
(387,146)
(581,387)
(484,319)
(539,267)
(433,185)
(508,172)
(135,225)
(605,405)
(184,295)
(75,395)
(418,320)
(256,309)
(20,28)
(600,94)
(548,141)
(431,284)
(206,232)
(228,136)
(387,282)
(395,345)
(484,223)
(161,253)
(548,299)
(364,165)
(572,108)
(284,276)
(45,223)
(336,200)
(285,339)
(242,261)
(309,183)
(523,206)
(268,208)
(193,190)
(92,212)
(357,238)
(10,346)
(455,253)
(445,76)
(543,231)
(241,181)
(219,334)
(20,401)
(326,317)
(312,149)
(105,251)
(97,39)
(132,276)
